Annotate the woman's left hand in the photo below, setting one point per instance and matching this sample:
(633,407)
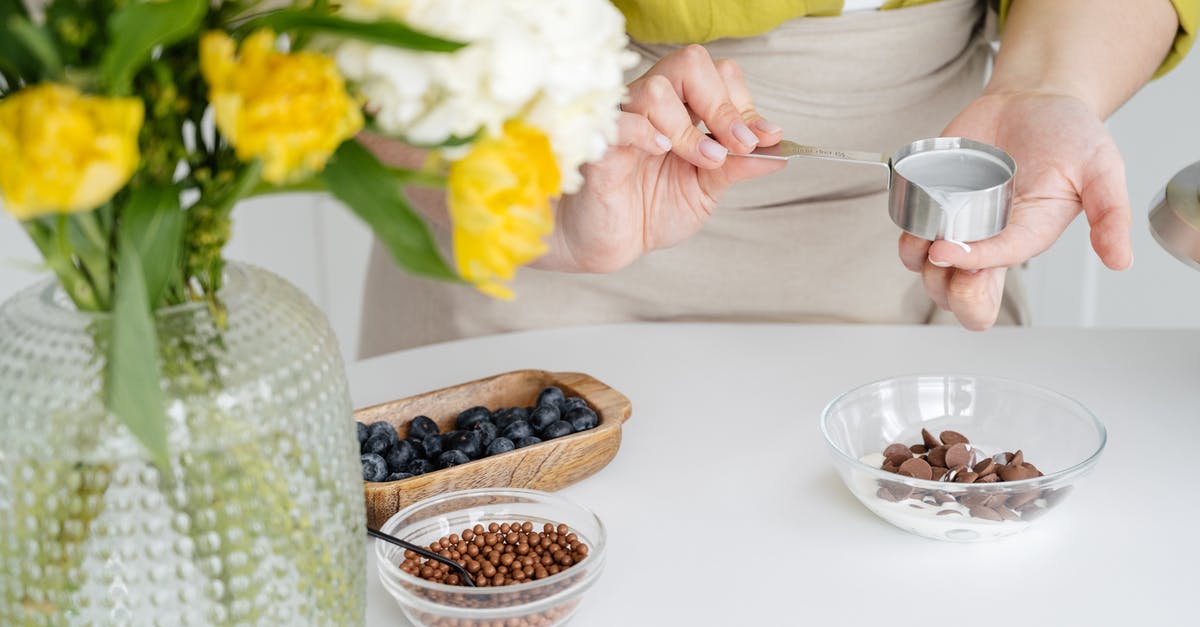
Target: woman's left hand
(1066,163)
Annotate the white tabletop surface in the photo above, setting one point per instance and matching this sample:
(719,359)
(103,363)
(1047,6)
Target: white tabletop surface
(723,465)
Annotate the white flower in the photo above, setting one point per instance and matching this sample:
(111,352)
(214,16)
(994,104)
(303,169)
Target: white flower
(555,64)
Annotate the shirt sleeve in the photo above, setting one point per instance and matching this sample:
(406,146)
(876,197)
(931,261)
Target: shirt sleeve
(1189,24)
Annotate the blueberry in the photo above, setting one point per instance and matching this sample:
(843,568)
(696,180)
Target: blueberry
(418,446)
(543,416)
(517,430)
(557,429)
(374,468)
(398,457)
(470,443)
(572,403)
(468,418)
(551,396)
(452,458)
(506,417)
(433,446)
(385,429)
(363,433)
(396,476)
(422,426)
(500,445)
(420,467)
(528,441)
(487,432)
(582,418)
(376,444)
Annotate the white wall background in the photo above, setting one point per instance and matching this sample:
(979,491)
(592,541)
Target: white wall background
(321,248)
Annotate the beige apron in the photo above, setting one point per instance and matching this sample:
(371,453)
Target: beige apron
(812,243)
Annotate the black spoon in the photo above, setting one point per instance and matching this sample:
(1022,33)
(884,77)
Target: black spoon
(426,553)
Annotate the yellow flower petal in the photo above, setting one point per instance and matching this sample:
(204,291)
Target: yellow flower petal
(292,111)
(64,151)
(499,200)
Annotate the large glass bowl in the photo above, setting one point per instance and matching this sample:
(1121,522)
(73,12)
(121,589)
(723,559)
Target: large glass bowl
(541,603)
(1057,434)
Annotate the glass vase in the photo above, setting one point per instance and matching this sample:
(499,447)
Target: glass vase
(257,521)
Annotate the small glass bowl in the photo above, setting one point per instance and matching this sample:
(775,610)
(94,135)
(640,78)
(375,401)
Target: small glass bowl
(1055,433)
(544,602)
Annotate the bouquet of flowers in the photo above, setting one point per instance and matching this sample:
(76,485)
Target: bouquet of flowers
(129,129)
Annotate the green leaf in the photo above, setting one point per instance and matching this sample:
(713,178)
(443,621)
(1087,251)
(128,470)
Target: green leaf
(132,388)
(358,179)
(383,32)
(139,27)
(15,60)
(37,44)
(153,223)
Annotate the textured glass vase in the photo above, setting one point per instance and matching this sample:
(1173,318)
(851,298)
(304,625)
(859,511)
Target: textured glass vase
(259,519)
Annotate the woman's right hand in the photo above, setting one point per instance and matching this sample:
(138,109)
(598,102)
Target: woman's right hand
(659,183)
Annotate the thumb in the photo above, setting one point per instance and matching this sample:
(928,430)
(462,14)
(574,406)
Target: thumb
(1105,199)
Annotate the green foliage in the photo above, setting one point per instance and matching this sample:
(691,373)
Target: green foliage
(357,178)
(139,27)
(152,223)
(379,32)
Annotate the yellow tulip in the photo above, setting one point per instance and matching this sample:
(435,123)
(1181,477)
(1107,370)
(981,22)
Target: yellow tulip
(499,200)
(64,152)
(291,111)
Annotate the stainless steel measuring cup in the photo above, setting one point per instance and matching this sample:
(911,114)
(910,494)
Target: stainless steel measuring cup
(941,188)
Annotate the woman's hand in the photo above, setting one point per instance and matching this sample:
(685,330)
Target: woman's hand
(1066,163)
(662,179)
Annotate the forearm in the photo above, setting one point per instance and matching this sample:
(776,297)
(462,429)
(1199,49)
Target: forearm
(1100,51)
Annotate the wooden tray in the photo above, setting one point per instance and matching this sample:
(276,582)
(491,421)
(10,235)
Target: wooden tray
(548,465)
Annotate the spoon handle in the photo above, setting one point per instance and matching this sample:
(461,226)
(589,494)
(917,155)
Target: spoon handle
(423,552)
(788,149)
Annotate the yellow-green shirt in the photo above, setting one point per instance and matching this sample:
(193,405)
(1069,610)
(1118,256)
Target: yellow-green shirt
(698,21)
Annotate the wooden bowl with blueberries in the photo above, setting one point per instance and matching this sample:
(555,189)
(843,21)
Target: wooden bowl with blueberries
(524,429)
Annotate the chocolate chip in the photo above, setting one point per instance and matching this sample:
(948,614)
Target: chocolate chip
(985,467)
(897,450)
(957,455)
(917,449)
(1029,466)
(992,478)
(942,498)
(1018,459)
(896,460)
(973,499)
(1007,514)
(938,473)
(1016,473)
(929,441)
(1015,501)
(950,438)
(890,467)
(985,513)
(966,477)
(894,492)
(948,512)
(917,468)
(995,500)
(937,456)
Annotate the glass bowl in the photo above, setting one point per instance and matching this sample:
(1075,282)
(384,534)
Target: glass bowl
(1057,434)
(542,603)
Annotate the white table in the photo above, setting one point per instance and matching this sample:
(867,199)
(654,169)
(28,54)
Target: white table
(1123,550)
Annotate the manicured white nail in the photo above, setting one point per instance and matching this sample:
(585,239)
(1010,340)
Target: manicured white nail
(663,141)
(766,127)
(744,134)
(712,149)
(940,264)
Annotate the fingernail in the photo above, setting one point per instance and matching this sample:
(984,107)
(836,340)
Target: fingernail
(940,264)
(712,149)
(744,134)
(766,127)
(663,141)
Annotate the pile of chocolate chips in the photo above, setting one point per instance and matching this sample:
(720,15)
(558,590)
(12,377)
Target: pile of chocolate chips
(500,554)
(954,459)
